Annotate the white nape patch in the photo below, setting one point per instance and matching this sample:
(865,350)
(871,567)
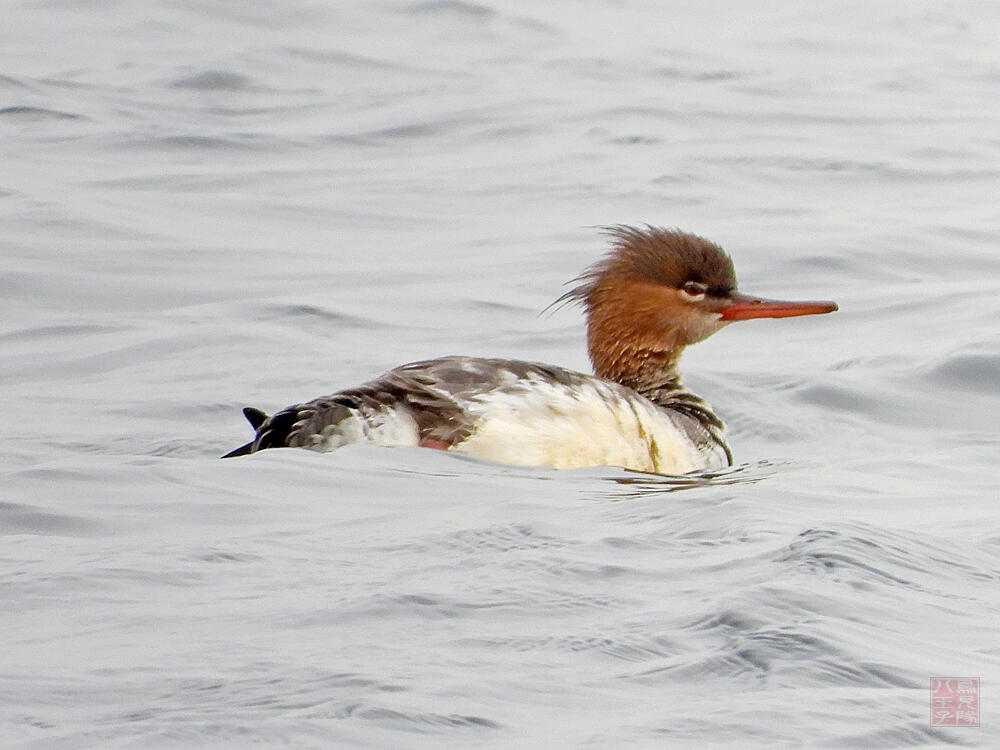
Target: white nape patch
(597,423)
(386,426)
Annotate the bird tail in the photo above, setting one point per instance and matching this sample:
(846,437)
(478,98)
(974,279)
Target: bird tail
(256,418)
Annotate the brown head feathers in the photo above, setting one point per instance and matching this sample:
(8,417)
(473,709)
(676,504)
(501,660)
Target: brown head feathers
(668,257)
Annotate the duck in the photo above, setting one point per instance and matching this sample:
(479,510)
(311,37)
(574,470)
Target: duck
(656,291)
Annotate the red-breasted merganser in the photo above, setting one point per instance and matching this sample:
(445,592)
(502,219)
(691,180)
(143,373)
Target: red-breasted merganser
(656,291)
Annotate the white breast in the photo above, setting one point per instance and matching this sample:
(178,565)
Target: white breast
(593,424)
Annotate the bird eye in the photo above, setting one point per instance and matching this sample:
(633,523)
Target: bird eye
(694,290)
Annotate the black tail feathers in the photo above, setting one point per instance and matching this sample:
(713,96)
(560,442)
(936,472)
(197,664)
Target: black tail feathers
(243,450)
(272,431)
(256,418)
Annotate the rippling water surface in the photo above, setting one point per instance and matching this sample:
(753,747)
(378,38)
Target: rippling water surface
(208,205)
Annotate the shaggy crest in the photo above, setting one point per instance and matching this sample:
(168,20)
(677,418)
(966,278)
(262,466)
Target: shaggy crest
(661,256)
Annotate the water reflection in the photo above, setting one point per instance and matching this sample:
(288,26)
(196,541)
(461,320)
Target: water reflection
(642,484)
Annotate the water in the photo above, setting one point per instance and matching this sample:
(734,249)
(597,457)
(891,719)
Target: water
(207,206)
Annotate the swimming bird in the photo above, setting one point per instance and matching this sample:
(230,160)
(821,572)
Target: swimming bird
(655,292)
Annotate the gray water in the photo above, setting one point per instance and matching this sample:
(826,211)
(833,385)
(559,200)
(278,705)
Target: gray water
(207,205)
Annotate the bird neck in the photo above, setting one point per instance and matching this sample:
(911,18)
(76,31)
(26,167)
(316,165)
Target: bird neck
(642,367)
